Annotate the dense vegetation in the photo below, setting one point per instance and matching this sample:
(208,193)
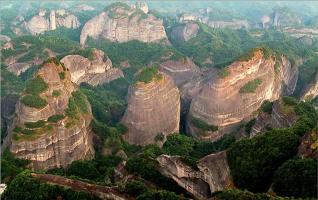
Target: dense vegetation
(297,178)
(253,162)
(148,74)
(34,101)
(235,194)
(250,86)
(24,186)
(202,125)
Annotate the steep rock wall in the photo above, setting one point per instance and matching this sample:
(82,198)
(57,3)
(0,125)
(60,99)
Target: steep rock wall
(153,108)
(123,24)
(54,143)
(222,102)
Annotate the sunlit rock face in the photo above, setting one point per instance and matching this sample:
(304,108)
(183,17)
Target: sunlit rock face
(55,143)
(122,23)
(224,103)
(96,70)
(153,108)
(310,91)
(212,175)
(184,32)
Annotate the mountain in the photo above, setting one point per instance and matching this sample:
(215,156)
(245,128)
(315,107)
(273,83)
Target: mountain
(120,22)
(52,126)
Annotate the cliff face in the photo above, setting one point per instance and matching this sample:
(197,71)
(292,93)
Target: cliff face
(226,101)
(153,108)
(96,71)
(122,23)
(184,32)
(58,132)
(181,71)
(282,116)
(213,174)
(311,90)
(40,23)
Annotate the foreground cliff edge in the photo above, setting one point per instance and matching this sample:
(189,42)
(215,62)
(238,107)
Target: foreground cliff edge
(52,126)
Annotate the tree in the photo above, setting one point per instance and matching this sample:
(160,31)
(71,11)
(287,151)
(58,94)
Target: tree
(297,178)
(253,161)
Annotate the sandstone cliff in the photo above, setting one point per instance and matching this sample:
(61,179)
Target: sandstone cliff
(182,71)
(57,18)
(281,116)
(119,22)
(213,174)
(231,97)
(311,90)
(96,71)
(184,32)
(153,108)
(52,126)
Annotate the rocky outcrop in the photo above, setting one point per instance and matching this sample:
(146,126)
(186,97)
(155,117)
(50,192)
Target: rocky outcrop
(96,71)
(153,108)
(181,71)
(310,91)
(41,23)
(53,134)
(225,101)
(184,32)
(121,23)
(281,116)
(212,175)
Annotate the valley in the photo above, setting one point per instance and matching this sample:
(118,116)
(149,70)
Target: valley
(159,100)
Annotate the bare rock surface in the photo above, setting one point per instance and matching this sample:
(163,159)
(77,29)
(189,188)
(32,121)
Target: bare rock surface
(56,18)
(153,108)
(311,90)
(184,32)
(280,117)
(181,71)
(123,23)
(222,103)
(96,71)
(54,143)
(212,175)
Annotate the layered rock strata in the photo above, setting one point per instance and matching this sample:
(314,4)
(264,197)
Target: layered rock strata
(122,23)
(96,71)
(153,108)
(213,174)
(57,133)
(225,101)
